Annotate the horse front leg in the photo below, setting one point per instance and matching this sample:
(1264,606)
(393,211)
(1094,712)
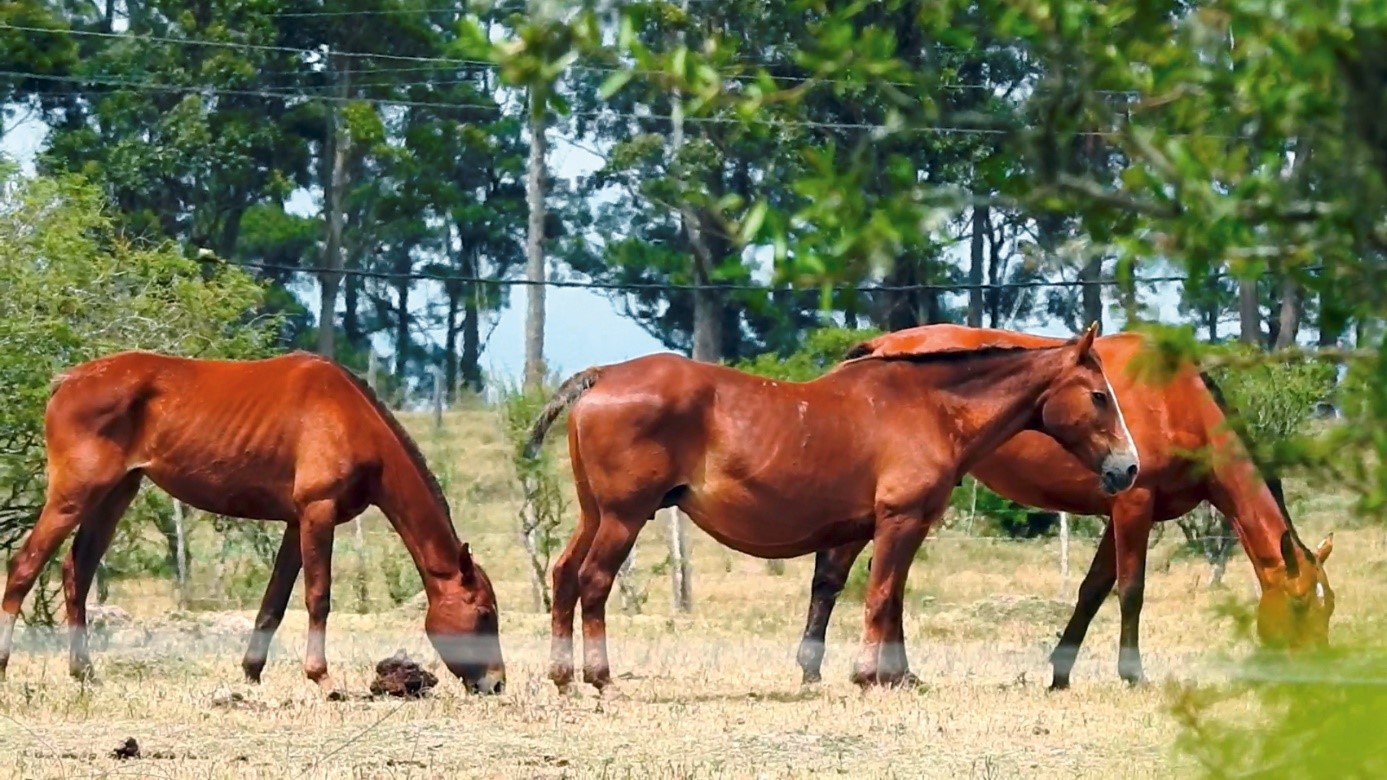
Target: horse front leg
(1131,522)
(899,532)
(316,526)
(288,562)
(831,570)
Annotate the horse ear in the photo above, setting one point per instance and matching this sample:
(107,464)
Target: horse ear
(1288,555)
(465,563)
(1326,547)
(1084,344)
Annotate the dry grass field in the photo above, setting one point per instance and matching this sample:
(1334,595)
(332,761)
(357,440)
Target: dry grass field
(711,694)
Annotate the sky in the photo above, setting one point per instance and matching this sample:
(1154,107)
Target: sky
(582,328)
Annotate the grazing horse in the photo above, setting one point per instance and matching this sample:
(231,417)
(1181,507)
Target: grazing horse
(296,439)
(781,469)
(1170,423)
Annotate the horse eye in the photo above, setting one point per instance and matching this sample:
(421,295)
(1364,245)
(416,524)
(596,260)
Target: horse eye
(1100,399)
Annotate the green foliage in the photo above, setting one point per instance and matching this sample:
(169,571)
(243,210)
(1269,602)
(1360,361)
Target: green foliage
(819,350)
(1273,401)
(76,288)
(544,504)
(1001,516)
(1306,716)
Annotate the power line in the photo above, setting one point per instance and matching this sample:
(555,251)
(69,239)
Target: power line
(211,90)
(455,61)
(733,287)
(600,114)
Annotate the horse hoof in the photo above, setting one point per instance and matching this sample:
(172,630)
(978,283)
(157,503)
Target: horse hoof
(909,680)
(813,678)
(561,676)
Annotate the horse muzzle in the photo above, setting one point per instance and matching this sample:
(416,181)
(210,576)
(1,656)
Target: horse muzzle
(1119,473)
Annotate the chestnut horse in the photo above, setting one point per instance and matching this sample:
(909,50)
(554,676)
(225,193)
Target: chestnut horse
(296,439)
(781,469)
(1170,424)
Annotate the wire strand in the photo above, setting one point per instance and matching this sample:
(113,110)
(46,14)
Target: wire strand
(733,287)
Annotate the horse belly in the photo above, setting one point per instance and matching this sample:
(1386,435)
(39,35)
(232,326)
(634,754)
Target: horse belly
(231,492)
(769,524)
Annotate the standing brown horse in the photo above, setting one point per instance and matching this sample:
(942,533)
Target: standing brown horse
(780,469)
(296,439)
(1170,424)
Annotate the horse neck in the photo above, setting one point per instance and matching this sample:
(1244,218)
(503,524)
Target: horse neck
(419,517)
(1255,516)
(992,398)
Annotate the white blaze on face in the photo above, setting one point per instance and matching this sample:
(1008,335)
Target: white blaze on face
(1122,423)
(1319,591)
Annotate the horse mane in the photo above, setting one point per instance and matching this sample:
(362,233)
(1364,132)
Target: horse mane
(863,352)
(1266,470)
(406,441)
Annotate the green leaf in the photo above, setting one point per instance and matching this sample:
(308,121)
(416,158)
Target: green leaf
(614,83)
(751,224)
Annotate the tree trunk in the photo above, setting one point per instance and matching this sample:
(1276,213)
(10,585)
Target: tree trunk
(1211,320)
(1290,313)
(534,247)
(1330,323)
(450,343)
(1092,292)
(331,278)
(402,340)
(471,343)
(1249,312)
(351,311)
(707,326)
(978,262)
(994,274)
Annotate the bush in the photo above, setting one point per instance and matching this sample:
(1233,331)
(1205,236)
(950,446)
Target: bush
(1272,402)
(76,289)
(820,350)
(1313,715)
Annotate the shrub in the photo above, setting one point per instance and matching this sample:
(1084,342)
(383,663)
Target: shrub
(1313,715)
(820,350)
(75,289)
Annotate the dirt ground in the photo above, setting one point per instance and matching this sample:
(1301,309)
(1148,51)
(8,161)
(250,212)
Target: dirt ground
(712,694)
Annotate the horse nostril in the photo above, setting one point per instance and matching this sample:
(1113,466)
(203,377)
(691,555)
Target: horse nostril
(1132,471)
(500,687)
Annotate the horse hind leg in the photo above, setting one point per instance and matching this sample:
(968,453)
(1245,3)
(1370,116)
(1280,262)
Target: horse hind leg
(288,563)
(1097,584)
(565,580)
(831,569)
(69,500)
(611,545)
(88,546)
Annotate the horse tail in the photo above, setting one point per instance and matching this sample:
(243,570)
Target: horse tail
(567,394)
(56,382)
